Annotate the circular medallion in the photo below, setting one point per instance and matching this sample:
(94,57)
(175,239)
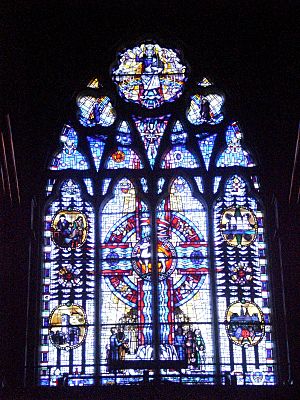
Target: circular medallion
(244,323)
(67,326)
(166,257)
(238,226)
(69,229)
(149,75)
(242,273)
(257,377)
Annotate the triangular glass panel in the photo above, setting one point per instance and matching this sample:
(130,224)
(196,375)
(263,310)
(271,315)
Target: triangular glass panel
(105,185)
(123,134)
(204,83)
(160,185)
(151,131)
(199,182)
(217,180)
(206,146)
(178,135)
(89,186)
(94,83)
(97,147)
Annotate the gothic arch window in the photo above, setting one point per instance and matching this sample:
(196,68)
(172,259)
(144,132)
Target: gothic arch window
(154,245)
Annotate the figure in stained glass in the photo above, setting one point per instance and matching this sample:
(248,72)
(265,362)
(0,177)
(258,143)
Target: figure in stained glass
(67,326)
(69,157)
(149,75)
(165,242)
(234,154)
(69,229)
(179,343)
(94,110)
(200,350)
(205,109)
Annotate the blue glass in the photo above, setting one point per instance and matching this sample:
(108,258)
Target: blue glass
(69,157)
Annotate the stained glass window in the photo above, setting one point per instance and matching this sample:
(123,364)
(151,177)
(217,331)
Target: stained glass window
(69,156)
(94,110)
(149,75)
(234,154)
(155,254)
(205,109)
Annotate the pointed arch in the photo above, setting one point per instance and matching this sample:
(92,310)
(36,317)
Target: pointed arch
(157,250)
(242,273)
(68,300)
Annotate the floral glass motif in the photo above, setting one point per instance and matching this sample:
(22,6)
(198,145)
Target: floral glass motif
(149,75)
(124,157)
(241,273)
(238,226)
(69,157)
(245,323)
(234,153)
(67,326)
(95,111)
(69,276)
(69,229)
(205,109)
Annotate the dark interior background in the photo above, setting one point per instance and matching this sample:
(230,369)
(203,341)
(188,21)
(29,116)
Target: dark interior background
(50,49)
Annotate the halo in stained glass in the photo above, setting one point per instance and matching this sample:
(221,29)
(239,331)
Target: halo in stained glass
(245,325)
(149,75)
(238,226)
(69,229)
(67,326)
